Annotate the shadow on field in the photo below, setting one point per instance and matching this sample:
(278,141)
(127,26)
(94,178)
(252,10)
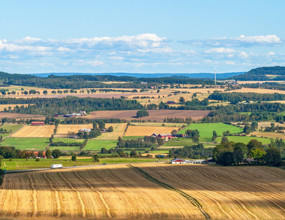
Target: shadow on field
(183,177)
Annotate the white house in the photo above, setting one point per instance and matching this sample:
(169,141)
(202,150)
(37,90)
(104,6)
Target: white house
(178,161)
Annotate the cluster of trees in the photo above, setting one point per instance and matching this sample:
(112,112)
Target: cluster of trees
(133,143)
(194,152)
(63,144)
(267,85)
(142,113)
(235,97)
(273,128)
(230,153)
(193,134)
(66,105)
(93,81)
(250,127)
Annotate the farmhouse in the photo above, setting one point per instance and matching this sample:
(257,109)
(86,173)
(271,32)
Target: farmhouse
(171,102)
(85,130)
(178,161)
(165,136)
(37,123)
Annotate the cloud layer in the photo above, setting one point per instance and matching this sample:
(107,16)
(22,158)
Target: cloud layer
(140,53)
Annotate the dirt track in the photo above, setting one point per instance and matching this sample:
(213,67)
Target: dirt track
(119,191)
(154,115)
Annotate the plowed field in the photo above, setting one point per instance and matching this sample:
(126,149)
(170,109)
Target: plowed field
(151,191)
(34,131)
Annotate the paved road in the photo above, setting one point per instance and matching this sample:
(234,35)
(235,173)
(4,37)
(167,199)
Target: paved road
(41,169)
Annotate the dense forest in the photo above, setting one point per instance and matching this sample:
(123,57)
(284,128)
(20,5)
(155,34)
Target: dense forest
(92,81)
(263,74)
(235,97)
(67,105)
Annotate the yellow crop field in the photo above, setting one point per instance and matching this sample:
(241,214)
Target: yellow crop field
(34,131)
(3,107)
(147,130)
(145,191)
(119,129)
(64,129)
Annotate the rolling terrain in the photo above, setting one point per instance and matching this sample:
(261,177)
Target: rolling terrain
(146,191)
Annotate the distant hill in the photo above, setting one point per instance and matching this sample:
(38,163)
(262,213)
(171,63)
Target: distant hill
(263,74)
(151,75)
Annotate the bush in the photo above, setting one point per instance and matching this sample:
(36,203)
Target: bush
(73,158)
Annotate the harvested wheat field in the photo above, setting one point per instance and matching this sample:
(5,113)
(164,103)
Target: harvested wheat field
(257,90)
(34,131)
(12,106)
(64,129)
(154,115)
(119,130)
(268,134)
(146,191)
(147,130)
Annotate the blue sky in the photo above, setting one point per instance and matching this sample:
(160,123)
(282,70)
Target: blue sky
(146,36)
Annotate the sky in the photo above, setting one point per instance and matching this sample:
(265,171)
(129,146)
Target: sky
(141,36)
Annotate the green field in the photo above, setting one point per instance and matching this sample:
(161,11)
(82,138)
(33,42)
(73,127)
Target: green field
(206,130)
(63,148)
(27,143)
(10,128)
(179,142)
(22,164)
(68,140)
(245,139)
(96,145)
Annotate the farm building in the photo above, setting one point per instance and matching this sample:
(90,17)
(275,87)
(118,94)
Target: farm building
(178,161)
(37,123)
(85,130)
(166,136)
(171,102)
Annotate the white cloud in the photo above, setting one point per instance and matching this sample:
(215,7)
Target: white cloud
(116,58)
(221,50)
(241,41)
(64,49)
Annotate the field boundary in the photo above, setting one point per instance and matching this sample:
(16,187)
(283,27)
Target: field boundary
(191,199)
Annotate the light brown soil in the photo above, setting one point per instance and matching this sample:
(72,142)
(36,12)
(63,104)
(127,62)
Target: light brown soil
(121,192)
(34,131)
(154,115)
(20,116)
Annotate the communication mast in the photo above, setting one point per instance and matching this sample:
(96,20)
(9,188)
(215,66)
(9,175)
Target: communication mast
(215,77)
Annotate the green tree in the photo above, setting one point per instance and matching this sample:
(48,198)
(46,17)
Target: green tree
(181,100)
(225,140)
(56,153)
(272,157)
(257,154)
(214,137)
(133,153)
(238,155)
(96,158)
(73,157)
(110,129)
(254,144)
(247,129)
(48,153)
(227,158)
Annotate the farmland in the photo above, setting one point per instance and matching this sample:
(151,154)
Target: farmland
(11,106)
(119,129)
(245,139)
(147,130)
(26,143)
(64,129)
(154,115)
(148,191)
(34,131)
(96,145)
(206,129)
(10,128)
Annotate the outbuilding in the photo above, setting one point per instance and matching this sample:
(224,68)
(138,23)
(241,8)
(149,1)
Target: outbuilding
(37,123)
(178,161)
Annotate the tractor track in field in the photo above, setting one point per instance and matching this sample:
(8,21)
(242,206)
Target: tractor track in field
(191,199)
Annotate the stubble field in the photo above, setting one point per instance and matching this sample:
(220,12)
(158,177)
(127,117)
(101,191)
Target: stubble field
(64,129)
(148,130)
(34,131)
(146,191)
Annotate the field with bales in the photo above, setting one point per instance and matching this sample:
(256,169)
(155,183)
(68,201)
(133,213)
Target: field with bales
(145,191)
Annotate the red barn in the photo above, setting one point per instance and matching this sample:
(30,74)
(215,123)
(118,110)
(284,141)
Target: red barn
(37,123)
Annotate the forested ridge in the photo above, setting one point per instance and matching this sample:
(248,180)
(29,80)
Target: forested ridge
(263,74)
(91,81)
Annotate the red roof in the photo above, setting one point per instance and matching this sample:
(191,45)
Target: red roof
(178,160)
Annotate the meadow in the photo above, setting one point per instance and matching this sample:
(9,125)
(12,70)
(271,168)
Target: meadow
(206,130)
(245,139)
(27,143)
(10,128)
(96,145)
